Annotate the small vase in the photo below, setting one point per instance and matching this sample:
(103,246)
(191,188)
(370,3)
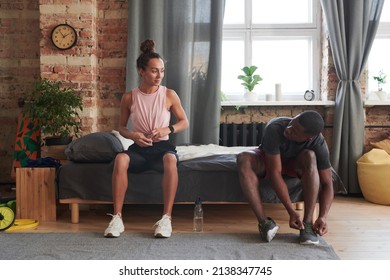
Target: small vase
(382,95)
(250,96)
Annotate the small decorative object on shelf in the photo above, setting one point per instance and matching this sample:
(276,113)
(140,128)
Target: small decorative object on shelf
(249,82)
(309,95)
(381,80)
(278,92)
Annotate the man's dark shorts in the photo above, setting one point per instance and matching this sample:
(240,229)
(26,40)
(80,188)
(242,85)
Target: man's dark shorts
(146,158)
(288,168)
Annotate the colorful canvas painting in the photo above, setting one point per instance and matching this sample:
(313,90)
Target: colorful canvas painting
(27,143)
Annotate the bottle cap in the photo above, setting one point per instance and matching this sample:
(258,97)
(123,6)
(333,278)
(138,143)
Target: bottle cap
(198,200)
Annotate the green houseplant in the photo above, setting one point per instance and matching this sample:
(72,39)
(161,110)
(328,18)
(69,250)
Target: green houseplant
(381,80)
(55,109)
(249,81)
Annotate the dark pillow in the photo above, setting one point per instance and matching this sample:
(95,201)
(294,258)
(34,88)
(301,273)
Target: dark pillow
(94,147)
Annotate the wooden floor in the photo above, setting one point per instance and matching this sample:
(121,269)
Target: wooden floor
(359,230)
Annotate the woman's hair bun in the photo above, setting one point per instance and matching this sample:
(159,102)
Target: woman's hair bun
(147,46)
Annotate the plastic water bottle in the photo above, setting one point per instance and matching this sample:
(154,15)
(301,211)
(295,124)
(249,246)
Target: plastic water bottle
(198,216)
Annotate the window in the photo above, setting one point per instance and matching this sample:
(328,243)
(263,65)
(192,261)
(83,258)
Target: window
(284,45)
(379,58)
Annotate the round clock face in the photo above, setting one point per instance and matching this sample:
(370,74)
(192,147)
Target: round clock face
(309,95)
(64,36)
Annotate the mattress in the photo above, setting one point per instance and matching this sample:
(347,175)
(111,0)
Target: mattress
(212,176)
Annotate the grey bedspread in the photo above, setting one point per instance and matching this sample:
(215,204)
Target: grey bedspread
(213,178)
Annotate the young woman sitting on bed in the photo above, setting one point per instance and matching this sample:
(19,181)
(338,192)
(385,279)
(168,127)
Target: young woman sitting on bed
(148,108)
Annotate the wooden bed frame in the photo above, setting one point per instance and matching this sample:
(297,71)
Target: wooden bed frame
(74,204)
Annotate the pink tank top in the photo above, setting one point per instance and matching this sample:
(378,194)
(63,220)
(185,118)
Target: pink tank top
(149,111)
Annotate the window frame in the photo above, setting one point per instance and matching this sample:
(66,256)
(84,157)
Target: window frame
(383,32)
(249,31)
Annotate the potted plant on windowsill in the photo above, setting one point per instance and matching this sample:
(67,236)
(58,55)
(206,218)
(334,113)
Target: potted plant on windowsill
(381,80)
(55,110)
(249,81)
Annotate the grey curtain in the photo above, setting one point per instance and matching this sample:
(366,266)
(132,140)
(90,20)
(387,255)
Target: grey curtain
(352,27)
(188,34)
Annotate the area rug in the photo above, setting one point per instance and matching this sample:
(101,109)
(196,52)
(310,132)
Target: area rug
(143,246)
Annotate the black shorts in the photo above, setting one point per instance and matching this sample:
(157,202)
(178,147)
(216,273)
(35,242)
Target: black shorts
(146,158)
(288,168)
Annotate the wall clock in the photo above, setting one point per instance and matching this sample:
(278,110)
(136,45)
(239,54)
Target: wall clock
(64,36)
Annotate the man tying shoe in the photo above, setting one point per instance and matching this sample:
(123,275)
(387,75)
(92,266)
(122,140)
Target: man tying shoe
(294,147)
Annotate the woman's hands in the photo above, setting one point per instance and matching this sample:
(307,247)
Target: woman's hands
(143,140)
(159,133)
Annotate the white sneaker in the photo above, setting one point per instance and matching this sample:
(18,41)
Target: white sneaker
(163,227)
(115,227)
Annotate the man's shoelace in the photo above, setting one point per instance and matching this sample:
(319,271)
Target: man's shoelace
(266,223)
(308,228)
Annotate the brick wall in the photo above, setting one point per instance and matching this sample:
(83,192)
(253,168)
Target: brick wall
(95,67)
(19,66)
(377,124)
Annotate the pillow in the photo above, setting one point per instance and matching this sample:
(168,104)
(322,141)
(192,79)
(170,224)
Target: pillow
(384,145)
(94,147)
(125,141)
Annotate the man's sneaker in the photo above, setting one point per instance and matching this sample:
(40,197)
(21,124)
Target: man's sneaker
(268,228)
(115,227)
(307,236)
(163,227)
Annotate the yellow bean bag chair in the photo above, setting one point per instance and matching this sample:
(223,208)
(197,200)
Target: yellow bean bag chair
(374,176)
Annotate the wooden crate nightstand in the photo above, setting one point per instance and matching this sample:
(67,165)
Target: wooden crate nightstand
(36,194)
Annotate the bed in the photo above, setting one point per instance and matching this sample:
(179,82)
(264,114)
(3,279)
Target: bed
(207,171)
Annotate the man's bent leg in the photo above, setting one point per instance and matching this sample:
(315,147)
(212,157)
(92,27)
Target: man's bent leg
(249,168)
(307,166)
(310,181)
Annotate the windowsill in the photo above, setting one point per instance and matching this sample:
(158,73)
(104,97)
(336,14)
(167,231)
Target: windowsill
(369,103)
(239,103)
(276,103)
